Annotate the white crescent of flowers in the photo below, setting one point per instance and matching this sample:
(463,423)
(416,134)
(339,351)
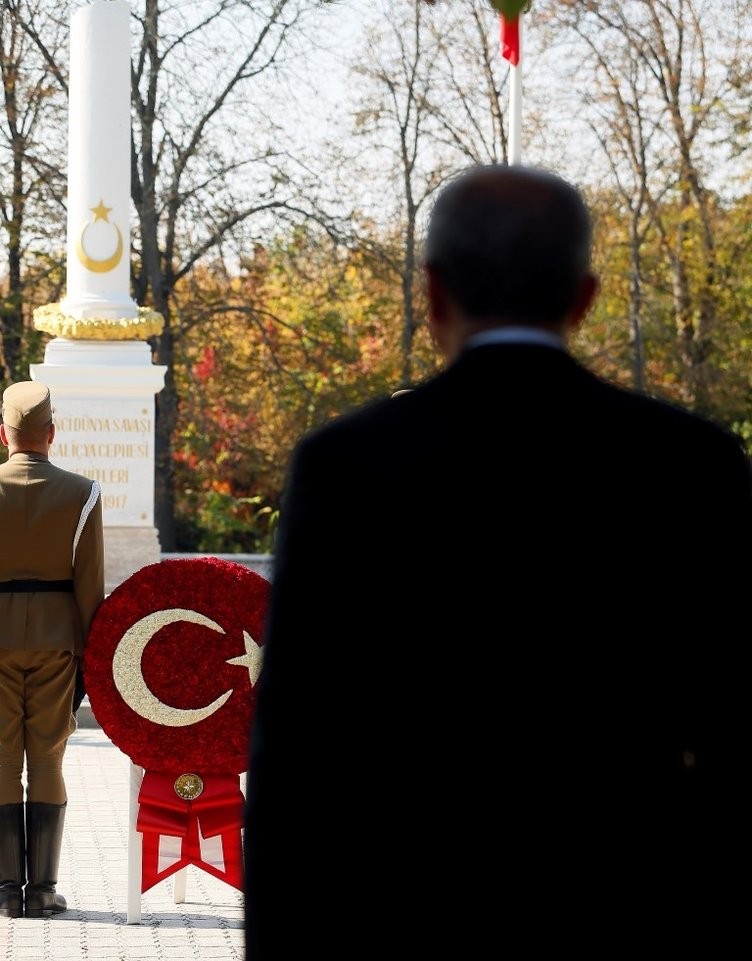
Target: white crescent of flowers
(129,678)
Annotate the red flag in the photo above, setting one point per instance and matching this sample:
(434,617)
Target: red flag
(510,39)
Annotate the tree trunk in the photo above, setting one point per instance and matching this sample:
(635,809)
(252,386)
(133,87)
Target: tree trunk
(13,321)
(635,306)
(408,307)
(166,420)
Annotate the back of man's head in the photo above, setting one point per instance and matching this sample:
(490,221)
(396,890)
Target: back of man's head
(510,244)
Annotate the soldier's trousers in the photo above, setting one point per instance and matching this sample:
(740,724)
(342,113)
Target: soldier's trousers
(36,720)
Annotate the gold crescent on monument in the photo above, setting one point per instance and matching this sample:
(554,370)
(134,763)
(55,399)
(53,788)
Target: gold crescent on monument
(99,266)
(129,678)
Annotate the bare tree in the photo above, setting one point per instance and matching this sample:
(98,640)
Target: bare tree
(32,182)
(204,160)
(624,125)
(660,92)
(468,98)
(397,119)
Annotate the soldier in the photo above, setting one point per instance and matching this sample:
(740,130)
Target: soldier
(51,583)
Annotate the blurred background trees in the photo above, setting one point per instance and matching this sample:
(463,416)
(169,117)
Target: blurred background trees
(285,157)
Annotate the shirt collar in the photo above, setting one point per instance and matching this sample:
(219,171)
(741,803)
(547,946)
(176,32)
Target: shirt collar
(515,335)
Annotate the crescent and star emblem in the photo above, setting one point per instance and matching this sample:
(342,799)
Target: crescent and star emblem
(109,263)
(135,691)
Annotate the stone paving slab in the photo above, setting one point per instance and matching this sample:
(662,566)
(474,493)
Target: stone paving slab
(208,925)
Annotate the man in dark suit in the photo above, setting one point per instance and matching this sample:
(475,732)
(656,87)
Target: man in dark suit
(502,698)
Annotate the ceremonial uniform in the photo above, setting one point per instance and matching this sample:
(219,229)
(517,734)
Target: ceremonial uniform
(51,583)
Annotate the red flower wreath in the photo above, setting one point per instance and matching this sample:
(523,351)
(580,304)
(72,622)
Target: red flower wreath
(171,663)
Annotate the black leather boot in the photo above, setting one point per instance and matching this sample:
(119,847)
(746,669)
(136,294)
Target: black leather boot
(12,851)
(44,838)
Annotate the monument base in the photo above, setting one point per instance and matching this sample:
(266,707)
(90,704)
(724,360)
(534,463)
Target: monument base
(127,550)
(103,409)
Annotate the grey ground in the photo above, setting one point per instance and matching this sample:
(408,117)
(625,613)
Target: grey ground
(94,879)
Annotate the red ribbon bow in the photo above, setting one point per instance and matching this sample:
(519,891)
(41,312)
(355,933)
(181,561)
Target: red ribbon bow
(178,832)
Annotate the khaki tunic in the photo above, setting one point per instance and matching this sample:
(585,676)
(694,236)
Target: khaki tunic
(50,529)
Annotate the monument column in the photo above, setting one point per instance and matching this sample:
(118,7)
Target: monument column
(98,365)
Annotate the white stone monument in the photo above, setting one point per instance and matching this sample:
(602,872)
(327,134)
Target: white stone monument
(98,365)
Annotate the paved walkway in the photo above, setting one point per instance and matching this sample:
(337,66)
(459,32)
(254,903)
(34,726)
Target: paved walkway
(94,879)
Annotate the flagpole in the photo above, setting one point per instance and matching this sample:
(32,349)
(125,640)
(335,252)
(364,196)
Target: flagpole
(515,104)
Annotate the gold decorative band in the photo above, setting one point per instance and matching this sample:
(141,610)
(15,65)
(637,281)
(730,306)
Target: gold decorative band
(52,320)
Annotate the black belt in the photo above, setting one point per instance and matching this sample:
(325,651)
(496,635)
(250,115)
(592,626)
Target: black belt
(32,587)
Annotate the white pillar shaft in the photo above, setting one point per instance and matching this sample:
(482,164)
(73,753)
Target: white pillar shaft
(99,157)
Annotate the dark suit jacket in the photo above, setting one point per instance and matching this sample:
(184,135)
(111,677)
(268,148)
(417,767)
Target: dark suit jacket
(503,692)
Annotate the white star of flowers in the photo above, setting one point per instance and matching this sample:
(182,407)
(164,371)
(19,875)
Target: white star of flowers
(251,659)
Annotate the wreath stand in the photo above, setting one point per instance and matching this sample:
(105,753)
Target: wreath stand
(229,839)
(135,860)
(135,849)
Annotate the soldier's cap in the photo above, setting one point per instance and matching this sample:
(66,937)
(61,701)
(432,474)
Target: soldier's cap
(27,405)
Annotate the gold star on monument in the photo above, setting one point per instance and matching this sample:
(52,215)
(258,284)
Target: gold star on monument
(251,659)
(100,211)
